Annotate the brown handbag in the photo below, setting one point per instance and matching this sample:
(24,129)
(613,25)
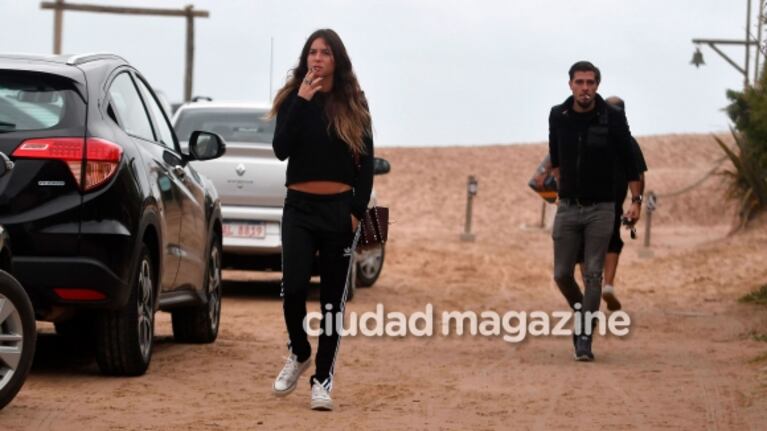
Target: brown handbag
(375,224)
(375,227)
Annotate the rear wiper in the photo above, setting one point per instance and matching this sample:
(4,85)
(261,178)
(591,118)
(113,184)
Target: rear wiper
(10,126)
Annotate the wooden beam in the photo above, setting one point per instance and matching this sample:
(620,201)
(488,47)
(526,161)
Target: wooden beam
(60,6)
(188,75)
(58,23)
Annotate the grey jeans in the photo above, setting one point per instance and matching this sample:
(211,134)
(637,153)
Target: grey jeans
(588,228)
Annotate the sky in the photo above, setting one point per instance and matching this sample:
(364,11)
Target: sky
(435,72)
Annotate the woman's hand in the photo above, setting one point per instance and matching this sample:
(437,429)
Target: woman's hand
(355,222)
(309,86)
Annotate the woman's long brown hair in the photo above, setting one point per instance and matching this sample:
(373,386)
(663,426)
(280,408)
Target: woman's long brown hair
(346,108)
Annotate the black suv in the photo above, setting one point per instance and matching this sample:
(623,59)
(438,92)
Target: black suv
(108,220)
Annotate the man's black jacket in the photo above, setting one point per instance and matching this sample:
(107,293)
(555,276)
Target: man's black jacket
(587,158)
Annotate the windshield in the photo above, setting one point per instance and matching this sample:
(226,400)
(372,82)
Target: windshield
(31,101)
(234,125)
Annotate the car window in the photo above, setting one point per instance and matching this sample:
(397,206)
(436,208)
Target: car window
(33,101)
(129,108)
(163,128)
(233,124)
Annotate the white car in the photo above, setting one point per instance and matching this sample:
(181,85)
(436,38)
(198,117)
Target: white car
(251,183)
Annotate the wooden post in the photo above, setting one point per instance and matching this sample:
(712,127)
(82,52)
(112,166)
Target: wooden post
(651,204)
(58,22)
(189,68)
(471,191)
(59,6)
(652,201)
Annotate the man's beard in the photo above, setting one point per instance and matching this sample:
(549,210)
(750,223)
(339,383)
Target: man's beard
(587,104)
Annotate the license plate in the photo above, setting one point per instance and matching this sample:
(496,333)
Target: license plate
(245,230)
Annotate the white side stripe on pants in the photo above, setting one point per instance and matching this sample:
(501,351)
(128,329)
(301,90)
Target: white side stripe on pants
(328,383)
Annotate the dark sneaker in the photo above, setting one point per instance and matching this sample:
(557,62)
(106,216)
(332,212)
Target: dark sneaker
(583,349)
(608,294)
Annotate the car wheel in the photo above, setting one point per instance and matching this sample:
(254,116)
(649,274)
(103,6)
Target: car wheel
(18,335)
(126,336)
(369,265)
(200,324)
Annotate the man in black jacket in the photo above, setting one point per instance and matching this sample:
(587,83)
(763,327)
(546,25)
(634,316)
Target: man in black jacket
(587,137)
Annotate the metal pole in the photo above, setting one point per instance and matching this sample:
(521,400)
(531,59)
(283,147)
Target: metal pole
(58,23)
(189,68)
(758,41)
(543,215)
(746,82)
(271,65)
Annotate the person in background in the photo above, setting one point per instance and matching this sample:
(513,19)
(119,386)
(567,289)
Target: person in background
(615,246)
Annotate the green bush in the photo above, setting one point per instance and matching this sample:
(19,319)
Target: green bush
(748,178)
(758,296)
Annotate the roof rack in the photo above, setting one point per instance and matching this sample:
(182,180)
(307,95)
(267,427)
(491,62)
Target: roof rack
(84,58)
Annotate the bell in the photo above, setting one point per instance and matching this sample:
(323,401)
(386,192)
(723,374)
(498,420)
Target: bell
(697,58)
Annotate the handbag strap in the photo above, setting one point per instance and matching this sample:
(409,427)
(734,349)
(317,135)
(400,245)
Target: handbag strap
(377,222)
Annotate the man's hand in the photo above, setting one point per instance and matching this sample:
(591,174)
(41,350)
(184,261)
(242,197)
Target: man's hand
(633,213)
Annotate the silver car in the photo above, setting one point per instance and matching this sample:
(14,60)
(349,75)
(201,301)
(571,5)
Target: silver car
(251,183)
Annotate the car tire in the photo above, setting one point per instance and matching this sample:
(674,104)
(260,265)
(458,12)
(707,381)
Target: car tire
(19,335)
(369,264)
(125,337)
(200,324)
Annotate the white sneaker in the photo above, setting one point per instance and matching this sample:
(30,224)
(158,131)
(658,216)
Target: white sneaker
(608,294)
(320,397)
(287,380)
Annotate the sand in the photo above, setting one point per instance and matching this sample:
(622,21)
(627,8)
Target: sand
(691,360)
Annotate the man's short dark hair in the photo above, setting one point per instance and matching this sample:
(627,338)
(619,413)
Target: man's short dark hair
(585,66)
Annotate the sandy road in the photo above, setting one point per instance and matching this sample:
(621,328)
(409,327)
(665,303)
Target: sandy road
(690,361)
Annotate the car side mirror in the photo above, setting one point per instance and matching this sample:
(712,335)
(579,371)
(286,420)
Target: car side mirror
(206,145)
(6,165)
(380,166)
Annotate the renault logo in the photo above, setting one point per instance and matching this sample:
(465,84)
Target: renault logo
(240,169)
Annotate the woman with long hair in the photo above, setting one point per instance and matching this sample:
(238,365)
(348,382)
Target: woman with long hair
(324,131)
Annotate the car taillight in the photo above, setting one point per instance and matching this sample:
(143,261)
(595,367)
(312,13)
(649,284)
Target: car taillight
(80,294)
(101,159)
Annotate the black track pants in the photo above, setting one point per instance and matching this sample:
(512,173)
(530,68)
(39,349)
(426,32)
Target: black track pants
(310,224)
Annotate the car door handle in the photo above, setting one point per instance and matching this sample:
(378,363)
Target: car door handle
(179,172)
